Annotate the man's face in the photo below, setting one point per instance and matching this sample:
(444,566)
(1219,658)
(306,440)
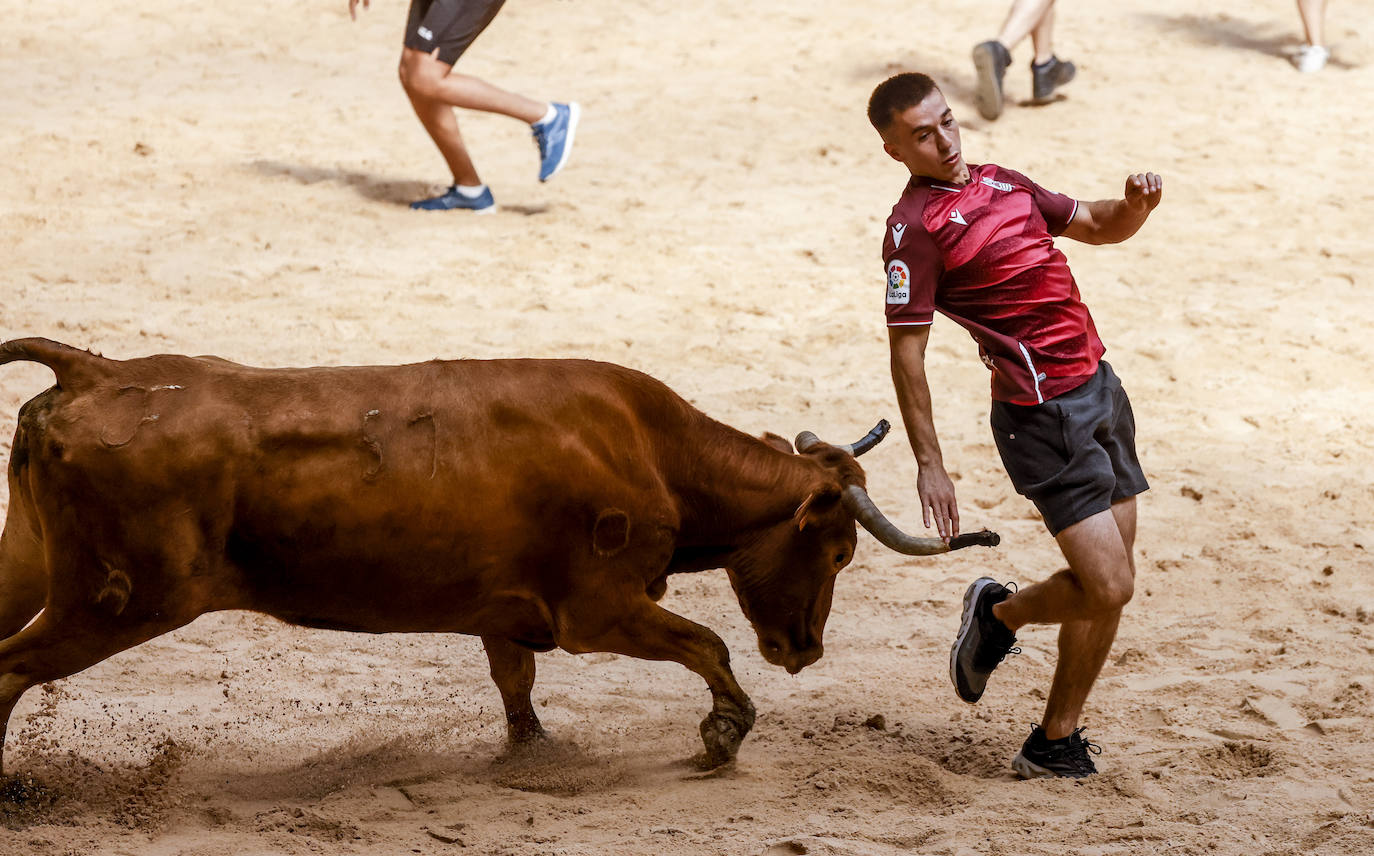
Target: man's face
(925,138)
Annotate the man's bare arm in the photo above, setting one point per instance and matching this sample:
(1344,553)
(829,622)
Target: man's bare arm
(1112,221)
(938,504)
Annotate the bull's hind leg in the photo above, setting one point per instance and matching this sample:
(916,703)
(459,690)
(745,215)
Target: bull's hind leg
(512,668)
(23,576)
(61,643)
(650,632)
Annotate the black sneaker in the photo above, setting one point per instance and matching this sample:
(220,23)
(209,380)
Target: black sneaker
(1067,757)
(1045,77)
(983,640)
(991,60)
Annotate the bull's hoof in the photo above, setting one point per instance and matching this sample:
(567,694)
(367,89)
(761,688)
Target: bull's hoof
(722,731)
(523,732)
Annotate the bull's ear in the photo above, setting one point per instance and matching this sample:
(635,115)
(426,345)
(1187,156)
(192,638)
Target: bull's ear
(779,443)
(819,504)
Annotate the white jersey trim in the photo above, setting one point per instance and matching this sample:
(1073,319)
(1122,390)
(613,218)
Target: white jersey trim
(911,323)
(1035,376)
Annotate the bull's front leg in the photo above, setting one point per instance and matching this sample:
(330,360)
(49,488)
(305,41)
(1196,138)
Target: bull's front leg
(512,668)
(650,632)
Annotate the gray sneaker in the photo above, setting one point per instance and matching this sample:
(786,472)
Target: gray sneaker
(991,60)
(1065,758)
(1048,76)
(983,640)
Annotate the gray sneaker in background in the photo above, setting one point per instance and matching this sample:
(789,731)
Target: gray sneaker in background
(990,60)
(1049,76)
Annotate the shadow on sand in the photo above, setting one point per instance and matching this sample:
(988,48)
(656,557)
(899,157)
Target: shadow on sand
(389,191)
(1225,31)
(394,192)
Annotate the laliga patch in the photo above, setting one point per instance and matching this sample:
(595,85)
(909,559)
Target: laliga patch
(898,282)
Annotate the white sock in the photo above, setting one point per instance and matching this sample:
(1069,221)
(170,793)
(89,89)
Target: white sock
(548,115)
(470,192)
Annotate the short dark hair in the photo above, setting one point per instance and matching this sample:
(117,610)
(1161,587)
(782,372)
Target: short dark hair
(898,94)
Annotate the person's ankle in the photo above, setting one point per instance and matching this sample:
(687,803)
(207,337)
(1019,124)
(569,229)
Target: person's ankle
(999,612)
(548,116)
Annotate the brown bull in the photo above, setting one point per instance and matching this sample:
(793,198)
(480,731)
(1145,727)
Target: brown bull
(537,504)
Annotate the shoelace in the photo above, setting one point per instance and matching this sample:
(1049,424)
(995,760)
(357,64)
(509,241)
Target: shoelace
(1013,648)
(1076,751)
(542,137)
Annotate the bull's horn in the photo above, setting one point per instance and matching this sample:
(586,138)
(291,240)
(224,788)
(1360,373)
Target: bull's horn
(857,502)
(806,441)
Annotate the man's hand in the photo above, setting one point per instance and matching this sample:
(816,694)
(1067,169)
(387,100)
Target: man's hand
(937,500)
(1112,221)
(1143,191)
(353,8)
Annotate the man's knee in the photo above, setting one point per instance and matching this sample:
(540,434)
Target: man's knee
(421,74)
(1112,592)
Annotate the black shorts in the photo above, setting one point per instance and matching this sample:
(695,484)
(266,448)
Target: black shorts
(1074,455)
(449,25)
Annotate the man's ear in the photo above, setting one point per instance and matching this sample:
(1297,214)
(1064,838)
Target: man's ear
(819,504)
(779,443)
(892,152)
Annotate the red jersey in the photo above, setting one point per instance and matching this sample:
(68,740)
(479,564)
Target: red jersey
(983,255)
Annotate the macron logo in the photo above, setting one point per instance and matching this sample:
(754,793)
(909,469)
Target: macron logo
(956,217)
(426,33)
(897,231)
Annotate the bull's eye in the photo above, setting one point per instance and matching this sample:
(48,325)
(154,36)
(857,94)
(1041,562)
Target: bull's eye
(839,558)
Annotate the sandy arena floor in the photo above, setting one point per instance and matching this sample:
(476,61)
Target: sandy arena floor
(231,179)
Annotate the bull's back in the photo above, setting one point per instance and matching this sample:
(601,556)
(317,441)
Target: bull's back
(397,488)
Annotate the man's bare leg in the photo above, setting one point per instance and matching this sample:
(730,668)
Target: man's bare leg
(1025,18)
(1099,551)
(442,127)
(1100,577)
(434,90)
(1313,14)
(1042,37)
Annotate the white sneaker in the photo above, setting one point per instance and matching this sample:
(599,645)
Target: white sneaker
(1311,58)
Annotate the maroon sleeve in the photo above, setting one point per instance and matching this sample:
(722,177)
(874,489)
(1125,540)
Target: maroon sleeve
(1056,208)
(913,267)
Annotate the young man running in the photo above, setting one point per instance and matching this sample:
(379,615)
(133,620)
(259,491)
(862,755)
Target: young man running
(437,33)
(976,243)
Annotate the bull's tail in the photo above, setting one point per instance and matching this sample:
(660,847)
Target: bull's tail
(71,365)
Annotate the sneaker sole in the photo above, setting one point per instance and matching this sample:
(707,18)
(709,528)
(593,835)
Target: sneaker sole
(490,209)
(1028,769)
(574,115)
(965,622)
(988,95)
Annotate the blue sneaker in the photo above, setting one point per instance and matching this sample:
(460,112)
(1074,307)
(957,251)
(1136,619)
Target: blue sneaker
(451,198)
(555,138)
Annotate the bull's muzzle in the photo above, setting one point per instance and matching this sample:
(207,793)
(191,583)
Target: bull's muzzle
(791,659)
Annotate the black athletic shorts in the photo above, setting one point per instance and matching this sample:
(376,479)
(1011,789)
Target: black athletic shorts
(449,25)
(1074,455)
